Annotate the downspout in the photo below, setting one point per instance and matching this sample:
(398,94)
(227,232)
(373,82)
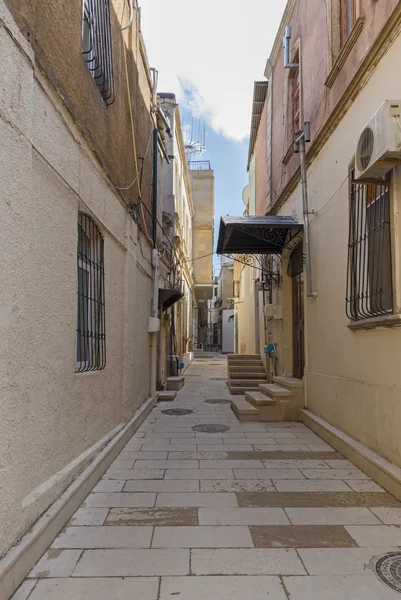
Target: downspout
(154,321)
(300,141)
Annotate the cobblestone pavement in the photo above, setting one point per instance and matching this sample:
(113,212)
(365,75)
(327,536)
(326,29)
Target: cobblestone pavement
(261,511)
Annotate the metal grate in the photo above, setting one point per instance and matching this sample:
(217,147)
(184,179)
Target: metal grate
(97,46)
(388,568)
(369,278)
(296,261)
(177,412)
(215,428)
(91,326)
(365,149)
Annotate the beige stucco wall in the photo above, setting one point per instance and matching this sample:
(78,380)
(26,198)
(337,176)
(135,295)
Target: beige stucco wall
(353,378)
(202,186)
(49,414)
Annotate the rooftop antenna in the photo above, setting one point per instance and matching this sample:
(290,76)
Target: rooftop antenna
(195,139)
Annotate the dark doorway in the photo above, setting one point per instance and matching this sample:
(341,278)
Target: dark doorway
(295,270)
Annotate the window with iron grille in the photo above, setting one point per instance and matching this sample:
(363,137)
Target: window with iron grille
(97,46)
(369,276)
(91,327)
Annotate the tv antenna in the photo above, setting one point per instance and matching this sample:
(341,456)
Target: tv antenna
(195,140)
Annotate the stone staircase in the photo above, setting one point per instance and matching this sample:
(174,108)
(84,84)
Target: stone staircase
(278,401)
(245,373)
(202,354)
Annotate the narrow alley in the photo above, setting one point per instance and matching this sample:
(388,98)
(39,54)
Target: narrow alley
(199,505)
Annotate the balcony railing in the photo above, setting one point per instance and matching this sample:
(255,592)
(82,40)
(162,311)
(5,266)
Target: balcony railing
(199,165)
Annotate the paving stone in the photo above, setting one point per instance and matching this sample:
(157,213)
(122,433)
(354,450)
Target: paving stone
(196,499)
(365,486)
(331,516)
(56,563)
(330,587)
(89,516)
(388,516)
(338,561)
(132,563)
(166,464)
(161,485)
(197,455)
(135,474)
(317,499)
(109,485)
(24,590)
(236,485)
(375,536)
(121,464)
(231,464)
(145,455)
(199,474)
(250,561)
(286,448)
(277,455)
(242,516)
(121,499)
(174,448)
(237,441)
(334,474)
(202,537)
(222,588)
(96,589)
(158,436)
(104,537)
(152,516)
(295,464)
(340,463)
(301,536)
(223,447)
(268,474)
(321,447)
(311,486)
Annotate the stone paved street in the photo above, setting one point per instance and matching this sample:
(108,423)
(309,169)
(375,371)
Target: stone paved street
(262,511)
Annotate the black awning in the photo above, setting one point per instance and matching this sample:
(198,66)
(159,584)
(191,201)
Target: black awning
(169,297)
(256,235)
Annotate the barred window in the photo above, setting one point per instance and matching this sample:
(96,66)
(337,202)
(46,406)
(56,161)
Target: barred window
(91,329)
(97,46)
(369,276)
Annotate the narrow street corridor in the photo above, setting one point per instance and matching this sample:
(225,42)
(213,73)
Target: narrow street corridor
(258,511)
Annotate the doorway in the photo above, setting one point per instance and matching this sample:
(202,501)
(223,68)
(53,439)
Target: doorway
(298,346)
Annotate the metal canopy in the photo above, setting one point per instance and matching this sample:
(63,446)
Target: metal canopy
(168,297)
(258,235)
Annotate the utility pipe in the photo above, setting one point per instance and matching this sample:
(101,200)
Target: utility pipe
(131,15)
(304,185)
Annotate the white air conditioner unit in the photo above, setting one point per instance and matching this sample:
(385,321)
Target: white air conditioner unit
(379,143)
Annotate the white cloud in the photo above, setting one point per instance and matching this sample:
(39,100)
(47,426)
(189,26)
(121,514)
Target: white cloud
(216,47)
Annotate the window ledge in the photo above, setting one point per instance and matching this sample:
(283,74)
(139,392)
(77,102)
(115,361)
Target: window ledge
(376,323)
(345,52)
(288,154)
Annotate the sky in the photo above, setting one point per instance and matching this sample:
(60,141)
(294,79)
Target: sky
(209,54)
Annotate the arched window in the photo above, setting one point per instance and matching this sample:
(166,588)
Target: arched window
(91,328)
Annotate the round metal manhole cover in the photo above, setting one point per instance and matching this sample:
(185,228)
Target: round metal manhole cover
(215,428)
(388,568)
(217,401)
(177,412)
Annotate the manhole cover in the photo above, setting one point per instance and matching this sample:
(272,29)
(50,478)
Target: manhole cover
(210,428)
(177,412)
(217,401)
(388,568)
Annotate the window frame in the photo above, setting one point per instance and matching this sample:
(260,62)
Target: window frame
(370,247)
(91,327)
(346,7)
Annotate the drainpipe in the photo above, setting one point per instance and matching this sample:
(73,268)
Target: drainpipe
(154,321)
(303,137)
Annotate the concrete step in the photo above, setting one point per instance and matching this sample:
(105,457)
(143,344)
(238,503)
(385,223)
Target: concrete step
(238,386)
(245,363)
(236,375)
(289,382)
(243,410)
(253,383)
(166,396)
(175,383)
(273,390)
(234,357)
(259,399)
(247,368)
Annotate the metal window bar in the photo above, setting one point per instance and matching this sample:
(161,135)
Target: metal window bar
(91,325)
(97,48)
(369,272)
